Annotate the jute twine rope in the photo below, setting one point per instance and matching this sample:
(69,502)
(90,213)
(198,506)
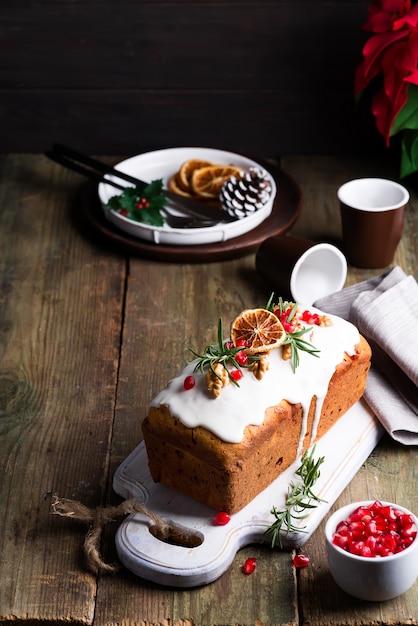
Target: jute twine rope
(97,519)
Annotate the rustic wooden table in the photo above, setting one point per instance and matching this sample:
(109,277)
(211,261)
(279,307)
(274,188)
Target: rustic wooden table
(87,337)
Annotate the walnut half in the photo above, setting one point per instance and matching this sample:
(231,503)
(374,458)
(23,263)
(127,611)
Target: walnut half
(260,367)
(216,381)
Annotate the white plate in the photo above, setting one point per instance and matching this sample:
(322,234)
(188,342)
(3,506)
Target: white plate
(163,164)
(345,447)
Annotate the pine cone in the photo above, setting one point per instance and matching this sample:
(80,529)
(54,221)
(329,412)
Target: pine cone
(245,194)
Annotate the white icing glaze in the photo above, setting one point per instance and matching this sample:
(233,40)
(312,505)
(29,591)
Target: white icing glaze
(237,407)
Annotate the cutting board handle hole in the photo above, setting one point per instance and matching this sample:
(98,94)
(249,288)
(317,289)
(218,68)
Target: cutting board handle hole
(177,535)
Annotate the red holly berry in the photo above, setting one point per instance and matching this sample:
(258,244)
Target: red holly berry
(301,560)
(143,204)
(222,518)
(123,212)
(189,383)
(241,343)
(249,566)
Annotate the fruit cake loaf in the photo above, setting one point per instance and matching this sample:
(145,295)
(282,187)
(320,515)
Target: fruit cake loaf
(247,408)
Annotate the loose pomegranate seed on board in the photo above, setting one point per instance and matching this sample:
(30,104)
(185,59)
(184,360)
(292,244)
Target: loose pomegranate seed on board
(375,531)
(222,518)
(249,566)
(301,560)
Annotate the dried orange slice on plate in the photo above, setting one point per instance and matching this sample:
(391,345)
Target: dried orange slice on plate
(208,181)
(175,186)
(186,171)
(260,329)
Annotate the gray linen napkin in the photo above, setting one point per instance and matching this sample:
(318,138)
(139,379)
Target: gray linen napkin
(385,310)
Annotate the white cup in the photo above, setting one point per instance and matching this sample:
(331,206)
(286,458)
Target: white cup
(303,270)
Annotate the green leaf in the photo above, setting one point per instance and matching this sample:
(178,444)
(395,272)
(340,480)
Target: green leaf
(129,201)
(409,153)
(407,117)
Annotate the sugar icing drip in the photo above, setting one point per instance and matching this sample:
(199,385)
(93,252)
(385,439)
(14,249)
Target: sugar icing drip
(238,407)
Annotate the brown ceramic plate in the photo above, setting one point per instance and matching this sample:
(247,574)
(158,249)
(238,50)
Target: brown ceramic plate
(286,210)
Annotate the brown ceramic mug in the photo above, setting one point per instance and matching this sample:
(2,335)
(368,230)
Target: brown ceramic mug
(372,214)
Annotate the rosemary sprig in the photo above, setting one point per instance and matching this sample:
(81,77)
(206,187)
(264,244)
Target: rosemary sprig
(300,499)
(296,344)
(220,353)
(294,339)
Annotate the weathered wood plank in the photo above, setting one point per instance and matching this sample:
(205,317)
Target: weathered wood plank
(251,46)
(170,308)
(267,77)
(62,301)
(130,122)
(391,471)
(61,306)
(389,474)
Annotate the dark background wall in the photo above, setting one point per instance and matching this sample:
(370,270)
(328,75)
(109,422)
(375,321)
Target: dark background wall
(123,76)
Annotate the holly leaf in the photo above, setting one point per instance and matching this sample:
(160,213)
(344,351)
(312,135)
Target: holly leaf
(141,204)
(127,200)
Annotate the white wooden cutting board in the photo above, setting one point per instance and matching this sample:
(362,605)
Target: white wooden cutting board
(345,448)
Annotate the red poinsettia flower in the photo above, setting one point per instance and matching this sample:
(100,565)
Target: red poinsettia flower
(384,15)
(399,68)
(393,53)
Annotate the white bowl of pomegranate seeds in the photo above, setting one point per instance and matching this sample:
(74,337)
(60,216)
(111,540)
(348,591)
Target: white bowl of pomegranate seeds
(372,549)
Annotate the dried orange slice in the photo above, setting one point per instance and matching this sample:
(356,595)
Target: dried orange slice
(186,171)
(208,181)
(261,329)
(175,186)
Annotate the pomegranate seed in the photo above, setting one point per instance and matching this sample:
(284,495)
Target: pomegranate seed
(381,524)
(249,566)
(241,358)
(236,374)
(342,528)
(222,518)
(406,520)
(377,530)
(189,383)
(409,531)
(310,318)
(300,560)
(388,513)
(371,528)
(390,543)
(381,551)
(283,317)
(357,547)
(341,541)
(372,543)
